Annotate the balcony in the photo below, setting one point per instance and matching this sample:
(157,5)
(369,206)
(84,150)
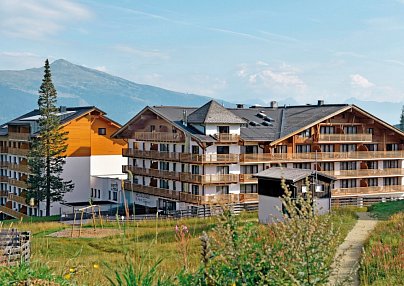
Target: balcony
(19,167)
(18,151)
(3,179)
(190,198)
(18,136)
(248,178)
(210,158)
(4,164)
(159,136)
(226,137)
(209,179)
(359,191)
(12,213)
(3,193)
(341,174)
(361,137)
(170,175)
(18,183)
(3,149)
(17,199)
(320,156)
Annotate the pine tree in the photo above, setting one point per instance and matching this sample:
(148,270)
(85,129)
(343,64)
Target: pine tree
(46,157)
(402,119)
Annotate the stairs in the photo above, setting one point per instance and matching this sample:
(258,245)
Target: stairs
(12,213)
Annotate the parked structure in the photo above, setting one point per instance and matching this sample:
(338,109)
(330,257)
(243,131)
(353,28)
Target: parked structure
(190,158)
(91,153)
(299,182)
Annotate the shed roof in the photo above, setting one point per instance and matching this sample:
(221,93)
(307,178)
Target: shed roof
(289,174)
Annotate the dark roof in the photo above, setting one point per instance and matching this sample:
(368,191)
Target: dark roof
(289,174)
(213,112)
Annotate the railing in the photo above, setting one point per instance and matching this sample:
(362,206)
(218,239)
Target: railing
(248,178)
(167,156)
(18,151)
(3,149)
(209,179)
(321,156)
(226,137)
(16,198)
(362,137)
(18,136)
(19,167)
(170,175)
(366,173)
(18,183)
(209,158)
(367,190)
(12,213)
(159,136)
(4,164)
(3,179)
(3,193)
(190,198)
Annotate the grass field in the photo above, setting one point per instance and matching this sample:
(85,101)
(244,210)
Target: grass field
(87,261)
(383,259)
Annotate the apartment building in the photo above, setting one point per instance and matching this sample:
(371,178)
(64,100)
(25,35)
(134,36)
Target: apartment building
(184,157)
(91,156)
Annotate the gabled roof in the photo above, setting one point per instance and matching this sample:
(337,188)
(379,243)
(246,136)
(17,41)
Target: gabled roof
(289,174)
(213,112)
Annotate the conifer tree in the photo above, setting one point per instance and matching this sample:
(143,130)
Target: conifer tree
(46,157)
(402,119)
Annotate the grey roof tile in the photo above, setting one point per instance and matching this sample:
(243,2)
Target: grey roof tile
(213,112)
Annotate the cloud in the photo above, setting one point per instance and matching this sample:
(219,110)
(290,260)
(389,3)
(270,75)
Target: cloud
(400,63)
(140,52)
(360,81)
(36,19)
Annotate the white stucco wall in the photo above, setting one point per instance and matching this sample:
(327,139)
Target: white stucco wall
(77,169)
(110,165)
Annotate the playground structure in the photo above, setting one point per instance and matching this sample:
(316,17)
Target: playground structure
(81,211)
(15,247)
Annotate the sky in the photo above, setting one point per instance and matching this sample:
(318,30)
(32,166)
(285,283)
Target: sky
(240,51)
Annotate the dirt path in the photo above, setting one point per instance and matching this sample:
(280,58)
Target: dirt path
(350,251)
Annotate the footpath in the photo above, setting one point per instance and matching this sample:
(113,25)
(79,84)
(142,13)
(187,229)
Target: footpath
(350,251)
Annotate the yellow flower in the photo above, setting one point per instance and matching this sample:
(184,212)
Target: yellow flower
(72,270)
(67,276)
(96,266)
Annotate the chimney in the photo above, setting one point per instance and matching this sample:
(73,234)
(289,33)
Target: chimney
(274,104)
(240,105)
(184,117)
(62,109)
(320,102)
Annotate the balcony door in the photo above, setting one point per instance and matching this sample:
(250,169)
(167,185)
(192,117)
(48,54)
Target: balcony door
(224,129)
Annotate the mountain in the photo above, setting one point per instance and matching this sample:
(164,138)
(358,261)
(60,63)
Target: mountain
(78,86)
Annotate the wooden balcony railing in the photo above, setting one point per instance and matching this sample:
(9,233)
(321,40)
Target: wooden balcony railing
(209,158)
(3,193)
(209,179)
(18,183)
(226,137)
(321,156)
(363,137)
(159,136)
(16,198)
(248,178)
(4,164)
(19,167)
(3,149)
(166,156)
(341,192)
(18,151)
(170,175)
(12,213)
(3,179)
(366,173)
(18,136)
(190,198)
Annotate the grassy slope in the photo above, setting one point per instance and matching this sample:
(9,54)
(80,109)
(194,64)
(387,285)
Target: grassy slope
(89,258)
(385,210)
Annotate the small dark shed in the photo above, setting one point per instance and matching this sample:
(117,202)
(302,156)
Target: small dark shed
(270,190)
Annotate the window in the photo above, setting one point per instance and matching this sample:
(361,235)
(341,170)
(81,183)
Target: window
(303,148)
(327,129)
(371,147)
(327,166)
(302,165)
(248,188)
(281,165)
(152,128)
(109,195)
(174,148)
(195,149)
(224,129)
(372,164)
(164,166)
(281,149)
(327,147)
(164,184)
(102,131)
(222,190)
(390,181)
(251,149)
(372,182)
(390,164)
(174,185)
(99,194)
(370,131)
(348,165)
(348,147)
(351,183)
(222,170)
(249,169)
(350,129)
(164,148)
(195,189)
(305,134)
(115,196)
(194,169)
(392,147)
(223,150)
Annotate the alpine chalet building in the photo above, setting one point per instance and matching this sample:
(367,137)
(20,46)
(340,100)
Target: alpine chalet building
(192,158)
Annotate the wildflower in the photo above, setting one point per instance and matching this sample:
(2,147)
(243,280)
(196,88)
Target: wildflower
(96,266)
(176,228)
(72,270)
(67,276)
